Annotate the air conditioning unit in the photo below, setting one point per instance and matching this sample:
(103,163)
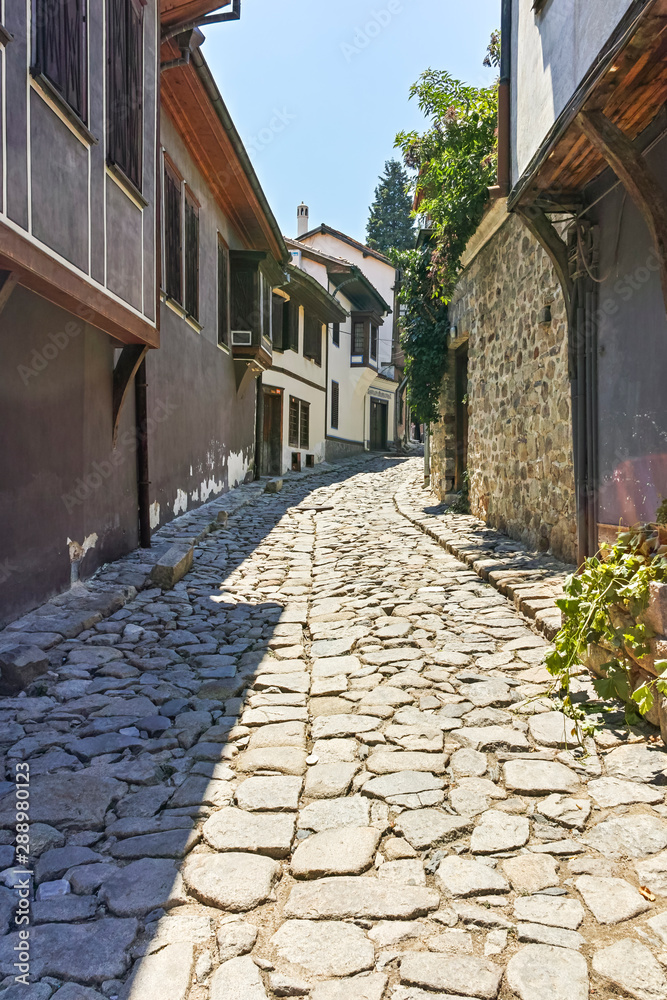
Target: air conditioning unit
(241,338)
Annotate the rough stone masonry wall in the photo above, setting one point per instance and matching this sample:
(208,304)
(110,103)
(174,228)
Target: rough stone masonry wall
(519,441)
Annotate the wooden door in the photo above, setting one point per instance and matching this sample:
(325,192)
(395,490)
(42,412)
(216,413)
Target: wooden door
(272,433)
(379,424)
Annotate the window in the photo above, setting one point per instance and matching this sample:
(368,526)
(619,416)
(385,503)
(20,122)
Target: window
(61,50)
(299,423)
(312,338)
(358,338)
(125,87)
(279,310)
(293,428)
(223,294)
(173,249)
(335,335)
(304,426)
(191,258)
(293,326)
(266,292)
(374,343)
(335,397)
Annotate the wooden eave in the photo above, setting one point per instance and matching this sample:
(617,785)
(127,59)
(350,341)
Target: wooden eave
(628,84)
(173,12)
(188,105)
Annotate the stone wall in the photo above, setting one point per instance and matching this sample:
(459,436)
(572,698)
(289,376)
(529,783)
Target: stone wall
(509,307)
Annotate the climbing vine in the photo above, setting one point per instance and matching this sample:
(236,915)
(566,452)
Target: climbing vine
(603,603)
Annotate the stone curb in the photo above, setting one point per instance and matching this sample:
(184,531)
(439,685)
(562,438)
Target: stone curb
(81,607)
(532,581)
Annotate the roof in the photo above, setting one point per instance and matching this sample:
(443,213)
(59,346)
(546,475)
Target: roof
(328,231)
(314,253)
(309,292)
(190,96)
(174,13)
(343,273)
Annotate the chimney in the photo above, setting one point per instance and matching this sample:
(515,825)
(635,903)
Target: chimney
(302,219)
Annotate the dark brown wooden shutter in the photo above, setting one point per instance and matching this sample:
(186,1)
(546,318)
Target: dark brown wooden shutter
(335,397)
(223,295)
(312,338)
(125,46)
(172,236)
(335,335)
(293,323)
(374,343)
(279,310)
(293,428)
(304,425)
(61,49)
(191,259)
(244,310)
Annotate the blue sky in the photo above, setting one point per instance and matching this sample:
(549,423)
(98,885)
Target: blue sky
(318,89)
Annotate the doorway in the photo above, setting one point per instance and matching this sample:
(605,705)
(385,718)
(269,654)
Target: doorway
(379,423)
(272,432)
(461,390)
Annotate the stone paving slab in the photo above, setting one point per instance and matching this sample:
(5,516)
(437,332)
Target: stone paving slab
(207,826)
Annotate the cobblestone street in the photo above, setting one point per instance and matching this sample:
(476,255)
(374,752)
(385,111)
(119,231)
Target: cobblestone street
(323,765)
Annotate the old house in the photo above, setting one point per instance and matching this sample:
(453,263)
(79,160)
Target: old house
(362,379)
(135,239)
(558,323)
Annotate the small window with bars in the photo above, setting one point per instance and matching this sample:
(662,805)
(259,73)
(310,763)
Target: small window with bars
(335,399)
(358,338)
(125,86)
(223,294)
(335,335)
(191,303)
(61,56)
(298,423)
(374,343)
(173,247)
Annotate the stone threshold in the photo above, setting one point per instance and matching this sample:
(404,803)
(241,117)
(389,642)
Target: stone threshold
(67,615)
(532,581)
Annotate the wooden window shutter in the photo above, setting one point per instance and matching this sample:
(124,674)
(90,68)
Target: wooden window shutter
(125,87)
(293,324)
(223,295)
(304,425)
(61,49)
(191,259)
(312,339)
(335,398)
(279,310)
(293,426)
(173,249)
(374,343)
(335,335)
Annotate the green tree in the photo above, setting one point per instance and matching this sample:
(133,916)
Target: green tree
(390,225)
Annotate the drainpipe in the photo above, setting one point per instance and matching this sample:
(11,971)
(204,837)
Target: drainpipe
(143,482)
(259,427)
(502,188)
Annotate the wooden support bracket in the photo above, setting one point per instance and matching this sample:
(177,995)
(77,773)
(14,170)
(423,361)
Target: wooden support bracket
(8,282)
(545,233)
(130,358)
(631,168)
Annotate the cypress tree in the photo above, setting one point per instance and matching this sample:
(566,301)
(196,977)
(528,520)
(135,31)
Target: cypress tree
(390,225)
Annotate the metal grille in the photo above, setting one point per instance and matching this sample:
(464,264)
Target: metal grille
(335,397)
(125,87)
(293,427)
(60,49)
(172,236)
(191,259)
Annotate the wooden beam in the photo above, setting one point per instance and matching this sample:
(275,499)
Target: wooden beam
(130,358)
(545,233)
(8,282)
(637,178)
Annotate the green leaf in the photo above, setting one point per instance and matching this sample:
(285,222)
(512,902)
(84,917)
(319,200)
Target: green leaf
(643,696)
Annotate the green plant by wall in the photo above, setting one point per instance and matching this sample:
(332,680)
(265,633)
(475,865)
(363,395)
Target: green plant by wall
(604,601)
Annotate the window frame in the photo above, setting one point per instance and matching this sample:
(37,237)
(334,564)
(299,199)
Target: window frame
(298,414)
(304,416)
(43,36)
(312,338)
(125,90)
(293,408)
(170,171)
(335,334)
(374,342)
(356,323)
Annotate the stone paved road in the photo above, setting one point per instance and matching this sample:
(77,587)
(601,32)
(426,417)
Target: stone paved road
(321,767)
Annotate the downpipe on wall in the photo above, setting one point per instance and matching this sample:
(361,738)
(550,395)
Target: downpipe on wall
(143,481)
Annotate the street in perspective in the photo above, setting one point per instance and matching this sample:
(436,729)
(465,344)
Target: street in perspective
(333,556)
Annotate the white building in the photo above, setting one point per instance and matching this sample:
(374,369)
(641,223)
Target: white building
(292,401)
(360,380)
